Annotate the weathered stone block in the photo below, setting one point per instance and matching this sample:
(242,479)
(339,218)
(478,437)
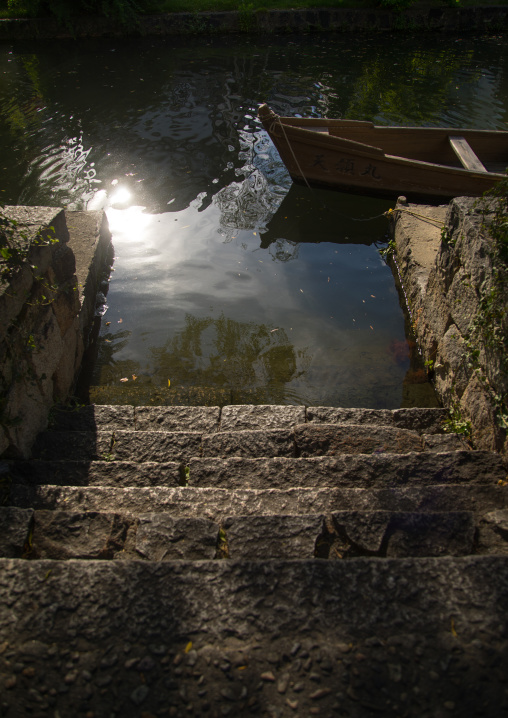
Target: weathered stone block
(48,345)
(15,526)
(64,534)
(359,532)
(45,352)
(93,418)
(177,418)
(433,320)
(493,532)
(161,537)
(25,412)
(429,421)
(155,445)
(257,538)
(246,417)
(460,273)
(372,471)
(269,442)
(463,301)
(330,439)
(69,364)
(4,441)
(432,534)
(216,503)
(64,264)
(402,534)
(13,296)
(451,371)
(335,415)
(444,442)
(477,406)
(78,445)
(96,473)
(65,307)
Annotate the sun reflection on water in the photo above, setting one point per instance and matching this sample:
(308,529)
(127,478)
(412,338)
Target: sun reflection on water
(128,223)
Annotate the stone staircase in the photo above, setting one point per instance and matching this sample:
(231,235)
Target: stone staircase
(253,560)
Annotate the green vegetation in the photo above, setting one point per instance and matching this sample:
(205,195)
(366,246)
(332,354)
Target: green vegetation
(15,248)
(489,330)
(125,11)
(455,424)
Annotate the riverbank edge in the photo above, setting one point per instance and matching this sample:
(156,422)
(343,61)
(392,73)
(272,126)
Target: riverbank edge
(47,312)
(478,20)
(443,259)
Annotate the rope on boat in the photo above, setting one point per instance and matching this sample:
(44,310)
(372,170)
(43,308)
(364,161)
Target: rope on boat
(430,220)
(292,152)
(277,121)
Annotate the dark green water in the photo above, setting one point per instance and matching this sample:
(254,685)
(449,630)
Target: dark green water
(227,278)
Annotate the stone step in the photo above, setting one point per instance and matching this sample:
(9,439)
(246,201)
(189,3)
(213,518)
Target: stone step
(332,439)
(243,417)
(141,418)
(413,636)
(305,440)
(98,473)
(66,534)
(218,503)
(346,470)
(120,445)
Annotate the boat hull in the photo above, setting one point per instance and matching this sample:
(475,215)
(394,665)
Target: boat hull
(319,156)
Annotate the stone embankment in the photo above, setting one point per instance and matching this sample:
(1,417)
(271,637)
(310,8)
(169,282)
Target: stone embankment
(254,560)
(446,263)
(418,18)
(46,309)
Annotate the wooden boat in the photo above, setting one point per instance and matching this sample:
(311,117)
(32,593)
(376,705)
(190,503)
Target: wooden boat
(417,162)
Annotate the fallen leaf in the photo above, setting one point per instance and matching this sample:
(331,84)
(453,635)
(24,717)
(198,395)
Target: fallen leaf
(454,632)
(274,330)
(169,382)
(124,379)
(108,323)
(134,377)
(373,296)
(370,325)
(188,647)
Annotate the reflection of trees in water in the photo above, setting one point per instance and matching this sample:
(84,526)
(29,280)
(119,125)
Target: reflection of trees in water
(227,353)
(245,205)
(282,250)
(404,96)
(111,370)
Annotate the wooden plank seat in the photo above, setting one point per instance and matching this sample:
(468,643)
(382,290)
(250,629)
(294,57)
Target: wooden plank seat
(464,152)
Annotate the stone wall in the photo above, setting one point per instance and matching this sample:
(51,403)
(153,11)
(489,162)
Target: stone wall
(447,278)
(46,306)
(419,17)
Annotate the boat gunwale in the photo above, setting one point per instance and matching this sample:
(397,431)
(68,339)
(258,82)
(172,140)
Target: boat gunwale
(334,143)
(304,122)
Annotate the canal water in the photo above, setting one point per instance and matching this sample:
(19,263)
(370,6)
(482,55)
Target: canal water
(229,283)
